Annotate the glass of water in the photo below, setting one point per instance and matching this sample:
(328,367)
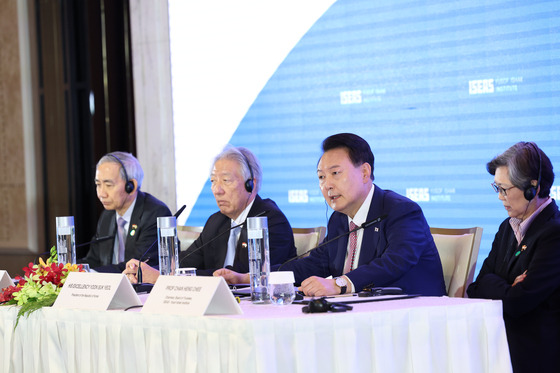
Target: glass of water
(282,289)
(186,271)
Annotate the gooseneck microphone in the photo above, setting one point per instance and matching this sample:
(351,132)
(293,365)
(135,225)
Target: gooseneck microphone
(100,239)
(363,226)
(139,273)
(220,235)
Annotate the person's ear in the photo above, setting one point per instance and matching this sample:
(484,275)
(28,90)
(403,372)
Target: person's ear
(366,172)
(135,183)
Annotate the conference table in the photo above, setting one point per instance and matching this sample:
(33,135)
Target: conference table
(423,334)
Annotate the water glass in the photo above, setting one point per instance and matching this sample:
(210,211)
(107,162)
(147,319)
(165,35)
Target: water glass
(282,289)
(186,271)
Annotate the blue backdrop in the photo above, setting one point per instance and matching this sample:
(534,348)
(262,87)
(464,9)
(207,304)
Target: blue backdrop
(437,88)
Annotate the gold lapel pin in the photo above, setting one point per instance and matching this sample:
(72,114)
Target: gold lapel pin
(523,248)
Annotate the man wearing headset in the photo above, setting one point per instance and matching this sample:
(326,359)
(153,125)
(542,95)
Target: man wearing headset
(128,226)
(236,180)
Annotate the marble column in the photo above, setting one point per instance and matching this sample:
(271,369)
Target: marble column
(152,97)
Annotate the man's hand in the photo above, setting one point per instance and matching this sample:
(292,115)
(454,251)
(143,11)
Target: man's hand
(149,274)
(232,277)
(319,287)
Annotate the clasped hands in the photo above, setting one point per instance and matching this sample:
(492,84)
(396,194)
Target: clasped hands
(149,274)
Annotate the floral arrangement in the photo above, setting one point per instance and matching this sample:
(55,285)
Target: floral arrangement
(40,285)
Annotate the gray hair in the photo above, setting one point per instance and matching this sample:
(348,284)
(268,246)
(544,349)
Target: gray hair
(525,161)
(249,163)
(129,162)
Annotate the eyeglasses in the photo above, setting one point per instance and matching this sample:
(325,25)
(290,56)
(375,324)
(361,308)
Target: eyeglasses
(501,190)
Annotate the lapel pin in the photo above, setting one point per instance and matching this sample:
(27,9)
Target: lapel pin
(133,230)
(523,248)
(376,229)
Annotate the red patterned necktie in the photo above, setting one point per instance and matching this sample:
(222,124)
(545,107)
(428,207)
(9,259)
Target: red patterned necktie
(351,249)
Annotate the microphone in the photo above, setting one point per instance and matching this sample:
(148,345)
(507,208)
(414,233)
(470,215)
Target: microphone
(220,235)
(365,225)
(100,239)
(139,273)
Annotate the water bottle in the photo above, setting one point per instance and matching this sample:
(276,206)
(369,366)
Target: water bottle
(168,245)
(259,259)
(65,239)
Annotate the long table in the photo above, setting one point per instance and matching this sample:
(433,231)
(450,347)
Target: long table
(425,334)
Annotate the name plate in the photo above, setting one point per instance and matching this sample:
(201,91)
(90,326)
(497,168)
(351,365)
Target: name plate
(191,295)
(5,280)
(97,291)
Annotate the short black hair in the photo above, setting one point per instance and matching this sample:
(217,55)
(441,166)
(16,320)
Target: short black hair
(358,149)
(525,161)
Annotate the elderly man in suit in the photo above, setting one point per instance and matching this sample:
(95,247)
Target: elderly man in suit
(129,221)
(236,180)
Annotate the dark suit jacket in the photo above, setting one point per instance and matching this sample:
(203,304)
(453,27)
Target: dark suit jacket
(398,251)
(213,255)
(146,211)
(532,307)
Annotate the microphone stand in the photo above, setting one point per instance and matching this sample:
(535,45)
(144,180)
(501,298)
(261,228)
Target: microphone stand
(363,226)
(100,239)
(219,235)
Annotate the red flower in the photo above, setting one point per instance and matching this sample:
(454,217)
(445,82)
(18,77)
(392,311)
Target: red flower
(29,270)
(53,274)
(8,293)
(20,280)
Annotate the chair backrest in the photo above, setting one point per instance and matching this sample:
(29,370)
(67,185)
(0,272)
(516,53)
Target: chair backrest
(308,238)
(187,234)
(458,251)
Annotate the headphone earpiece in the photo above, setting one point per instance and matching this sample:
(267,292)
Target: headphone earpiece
(249,183)
(128,185)
(530,193)
(531,190)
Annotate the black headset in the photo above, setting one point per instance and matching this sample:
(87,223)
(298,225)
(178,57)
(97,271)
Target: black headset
(249,183)
(531,191)
(129,185)
(322,305)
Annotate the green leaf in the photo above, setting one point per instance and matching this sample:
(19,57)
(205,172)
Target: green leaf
(33,305)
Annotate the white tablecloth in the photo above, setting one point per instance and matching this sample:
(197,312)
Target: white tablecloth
(411,335)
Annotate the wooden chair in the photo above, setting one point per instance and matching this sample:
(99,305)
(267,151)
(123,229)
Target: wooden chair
(458,250)
(187,234)
(308,238)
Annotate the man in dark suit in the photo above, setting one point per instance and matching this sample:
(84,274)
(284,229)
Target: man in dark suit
(236,180)
(118,179)
(399,251)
